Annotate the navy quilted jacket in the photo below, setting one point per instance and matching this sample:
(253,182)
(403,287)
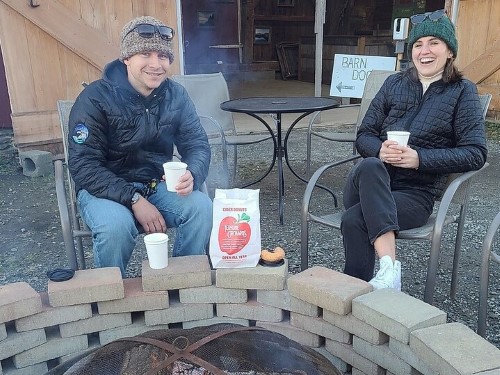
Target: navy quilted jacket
(129,136)
(446,125)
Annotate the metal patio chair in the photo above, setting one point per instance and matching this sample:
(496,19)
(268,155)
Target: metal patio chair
(208,91)
(455,194)
(488,256)
(372,85)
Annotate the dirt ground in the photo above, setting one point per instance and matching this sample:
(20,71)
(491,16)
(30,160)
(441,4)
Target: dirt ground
(31,241)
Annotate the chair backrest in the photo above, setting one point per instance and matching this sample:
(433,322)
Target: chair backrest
(64,109)
(208,91)
(372,85)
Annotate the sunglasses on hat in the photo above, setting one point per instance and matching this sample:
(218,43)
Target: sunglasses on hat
(146,30)
(433,16)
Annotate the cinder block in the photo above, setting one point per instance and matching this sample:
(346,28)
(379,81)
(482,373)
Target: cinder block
(36,369)
(347,354)
(319,327)
(283,300)
(454,348)
(215,320)
(3,332)
(135,299)
(328,289)
(260,277)
(55,347)
(251,310)
(18,300)
(136,328)
(16,343)
(182,272)
(293,333)
(404,352)
(357,327)
(396,313)
(95,324)
(91,285)
(36,163)
(341,365)
(212,294)
(381,355)
(51,316)
(179,313)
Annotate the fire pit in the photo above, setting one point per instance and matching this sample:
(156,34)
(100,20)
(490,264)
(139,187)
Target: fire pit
(221,349)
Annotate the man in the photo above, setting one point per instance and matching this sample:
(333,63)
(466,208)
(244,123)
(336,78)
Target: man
(123,127)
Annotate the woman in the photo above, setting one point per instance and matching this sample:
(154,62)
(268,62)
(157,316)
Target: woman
(394,187)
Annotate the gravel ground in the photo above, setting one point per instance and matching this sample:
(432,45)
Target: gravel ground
(31,240)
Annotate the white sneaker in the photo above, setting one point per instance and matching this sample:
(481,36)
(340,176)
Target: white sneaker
(389,274)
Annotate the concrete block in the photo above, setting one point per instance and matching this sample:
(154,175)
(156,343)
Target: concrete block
(95,324)
(55,347)
(3,332)
(396,313)
(136,328)
(251,310)
(319,327)
(36,369)
(179,313)
(328,289)
(283,300)
(90,285)
(182,272)
(357,327)
(212,294)
(381,355)
(18,342)
(135,299)
(51,316)
(18,300)
(347,354)
(260,277)
(454,349)
(341,365)
(36,163)
(404,352)
(293,333)
(215,320)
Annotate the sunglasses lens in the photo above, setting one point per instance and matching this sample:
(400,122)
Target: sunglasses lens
(417,18)
(166,32)
(145,30)
(434,16)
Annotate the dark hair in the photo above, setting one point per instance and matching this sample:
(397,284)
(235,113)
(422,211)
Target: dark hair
(451,72)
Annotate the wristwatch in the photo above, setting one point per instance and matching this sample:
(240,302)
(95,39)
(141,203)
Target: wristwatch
(135,198)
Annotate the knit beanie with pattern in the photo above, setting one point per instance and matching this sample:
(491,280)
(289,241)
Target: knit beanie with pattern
(133,43)
(441,28)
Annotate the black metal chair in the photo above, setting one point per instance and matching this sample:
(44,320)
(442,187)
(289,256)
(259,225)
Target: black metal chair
(488,256)
(456,193)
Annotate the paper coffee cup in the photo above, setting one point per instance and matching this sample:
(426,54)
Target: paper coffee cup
(399,136)
(173,171)
(157,250)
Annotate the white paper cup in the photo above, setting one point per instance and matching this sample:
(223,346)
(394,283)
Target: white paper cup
(399,136)
(173,171)
(157,249)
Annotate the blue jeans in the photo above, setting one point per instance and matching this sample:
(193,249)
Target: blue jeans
(114,228)
(372,209)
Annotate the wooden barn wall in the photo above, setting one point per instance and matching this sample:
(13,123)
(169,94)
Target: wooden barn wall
(478,33)
(43,65)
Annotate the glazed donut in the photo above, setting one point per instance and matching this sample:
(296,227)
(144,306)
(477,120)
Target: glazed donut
(273,255)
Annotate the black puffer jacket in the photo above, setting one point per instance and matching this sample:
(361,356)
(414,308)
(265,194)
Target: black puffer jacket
(130,137)
(446,125)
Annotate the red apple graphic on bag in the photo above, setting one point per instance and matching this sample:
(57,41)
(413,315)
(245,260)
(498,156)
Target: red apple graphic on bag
(234,234)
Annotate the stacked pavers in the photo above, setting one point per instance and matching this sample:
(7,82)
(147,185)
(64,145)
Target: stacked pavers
(361,331)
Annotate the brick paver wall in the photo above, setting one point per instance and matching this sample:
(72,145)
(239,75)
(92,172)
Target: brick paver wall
(359,330)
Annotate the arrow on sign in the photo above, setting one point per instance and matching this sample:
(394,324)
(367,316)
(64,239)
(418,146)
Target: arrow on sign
(340,87)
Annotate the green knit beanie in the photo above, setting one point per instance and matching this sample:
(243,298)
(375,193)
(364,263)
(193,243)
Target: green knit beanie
(132,43)
(441,28)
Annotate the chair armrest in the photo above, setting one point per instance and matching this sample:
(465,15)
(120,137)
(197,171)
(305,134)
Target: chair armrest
(448,196)
(314,180)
